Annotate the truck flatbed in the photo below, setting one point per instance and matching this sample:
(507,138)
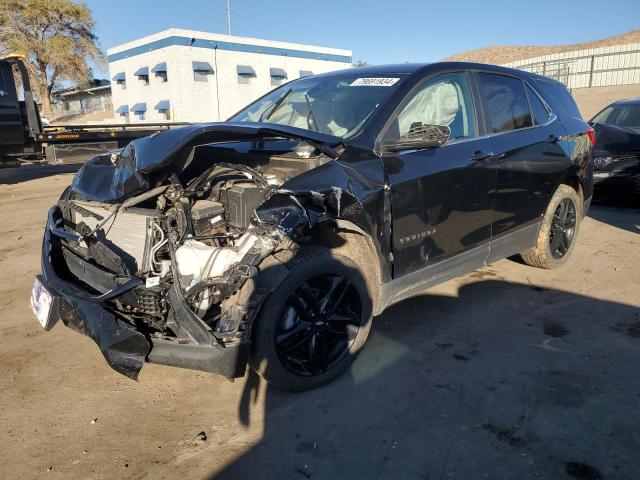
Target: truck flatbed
(23,137)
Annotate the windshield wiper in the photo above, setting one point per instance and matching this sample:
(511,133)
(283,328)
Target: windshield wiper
(311,115)
(276,105)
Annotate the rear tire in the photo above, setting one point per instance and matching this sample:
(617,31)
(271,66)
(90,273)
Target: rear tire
(558,231)
(314,324)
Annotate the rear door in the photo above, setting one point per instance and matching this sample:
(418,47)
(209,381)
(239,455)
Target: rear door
(441,198)
(529,160)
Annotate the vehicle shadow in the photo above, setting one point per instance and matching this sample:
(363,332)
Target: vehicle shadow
(503,380)
(10,176)
(617,215)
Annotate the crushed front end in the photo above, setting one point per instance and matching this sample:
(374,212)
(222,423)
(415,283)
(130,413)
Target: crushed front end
(170,273)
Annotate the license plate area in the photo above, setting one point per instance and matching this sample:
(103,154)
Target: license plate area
(41,303)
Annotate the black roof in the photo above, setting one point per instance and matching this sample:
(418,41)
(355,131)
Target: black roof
(421,68)
(628,101)
(387,69)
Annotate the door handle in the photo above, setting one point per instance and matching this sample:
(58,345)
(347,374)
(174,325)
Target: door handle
(552,139)
(479,155)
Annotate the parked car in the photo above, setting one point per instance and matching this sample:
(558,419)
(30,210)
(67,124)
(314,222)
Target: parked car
(273,238)
(616,152)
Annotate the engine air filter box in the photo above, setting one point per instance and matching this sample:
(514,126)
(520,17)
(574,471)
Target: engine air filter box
(206,215)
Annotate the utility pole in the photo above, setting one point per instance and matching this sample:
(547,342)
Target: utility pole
(229,16)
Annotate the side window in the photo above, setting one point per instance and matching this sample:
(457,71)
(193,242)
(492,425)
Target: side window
(603,116)
(538,109)
(444,100)
(506,100)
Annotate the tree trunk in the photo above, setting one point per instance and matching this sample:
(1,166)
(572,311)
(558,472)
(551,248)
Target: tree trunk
(45,102)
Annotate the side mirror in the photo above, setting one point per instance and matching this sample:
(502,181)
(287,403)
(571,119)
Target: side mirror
(420,137)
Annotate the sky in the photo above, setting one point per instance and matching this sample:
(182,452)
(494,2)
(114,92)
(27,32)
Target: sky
(378,32)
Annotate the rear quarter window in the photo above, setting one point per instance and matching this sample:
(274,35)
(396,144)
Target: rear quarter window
(539,110)
(556,94)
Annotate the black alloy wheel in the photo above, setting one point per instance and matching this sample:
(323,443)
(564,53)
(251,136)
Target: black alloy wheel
(563,227)
(318,325)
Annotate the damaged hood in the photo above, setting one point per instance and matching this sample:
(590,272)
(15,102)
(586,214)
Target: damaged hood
(147,162)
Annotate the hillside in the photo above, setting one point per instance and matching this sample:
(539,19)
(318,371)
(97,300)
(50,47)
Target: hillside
(497,54)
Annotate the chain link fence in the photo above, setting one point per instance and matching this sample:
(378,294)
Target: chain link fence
(600,67)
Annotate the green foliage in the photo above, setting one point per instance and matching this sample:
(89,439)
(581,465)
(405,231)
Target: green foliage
(56,35)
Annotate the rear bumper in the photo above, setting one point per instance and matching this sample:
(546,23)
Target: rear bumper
(125,348)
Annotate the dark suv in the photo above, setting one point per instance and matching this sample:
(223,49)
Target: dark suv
(616,153)
(274,238)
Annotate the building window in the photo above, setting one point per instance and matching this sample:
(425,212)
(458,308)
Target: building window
(123,113)
(245,74)
(139,110)
(201,71)
(143,75)
(120,79)
(278,76)
(164,109)
(200,76)
(160,71)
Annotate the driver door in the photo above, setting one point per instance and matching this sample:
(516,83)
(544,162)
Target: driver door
(441,198)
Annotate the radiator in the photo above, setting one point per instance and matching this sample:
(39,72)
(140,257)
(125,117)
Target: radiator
(128,231)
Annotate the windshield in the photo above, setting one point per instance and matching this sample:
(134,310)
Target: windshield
(627,116)
(337,105)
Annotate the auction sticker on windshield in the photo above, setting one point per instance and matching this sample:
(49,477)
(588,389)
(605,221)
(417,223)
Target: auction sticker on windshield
(41,301)
(374,82)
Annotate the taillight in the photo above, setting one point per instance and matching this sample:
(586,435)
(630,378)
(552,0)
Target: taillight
(592,136)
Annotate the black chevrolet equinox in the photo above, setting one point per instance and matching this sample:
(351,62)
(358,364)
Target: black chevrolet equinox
(272,239)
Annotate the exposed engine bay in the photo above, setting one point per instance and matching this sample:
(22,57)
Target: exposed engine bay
(165,251)
(194,243)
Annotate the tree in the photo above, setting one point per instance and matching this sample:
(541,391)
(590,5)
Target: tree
(58,38)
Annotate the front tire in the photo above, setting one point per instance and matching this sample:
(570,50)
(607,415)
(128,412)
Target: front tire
(314,324)
(558,230)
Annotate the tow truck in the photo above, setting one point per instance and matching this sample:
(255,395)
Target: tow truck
(24,138)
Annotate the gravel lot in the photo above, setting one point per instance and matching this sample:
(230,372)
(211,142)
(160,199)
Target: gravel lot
(509,372)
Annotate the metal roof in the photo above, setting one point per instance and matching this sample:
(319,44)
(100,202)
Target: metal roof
(142,71)
(161,67)
(277,73)
(139,107)
(246,70)
(202,67)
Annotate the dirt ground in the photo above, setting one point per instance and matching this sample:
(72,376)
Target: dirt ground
(509,372)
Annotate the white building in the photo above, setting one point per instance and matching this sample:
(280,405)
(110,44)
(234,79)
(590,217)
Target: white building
(190,76)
